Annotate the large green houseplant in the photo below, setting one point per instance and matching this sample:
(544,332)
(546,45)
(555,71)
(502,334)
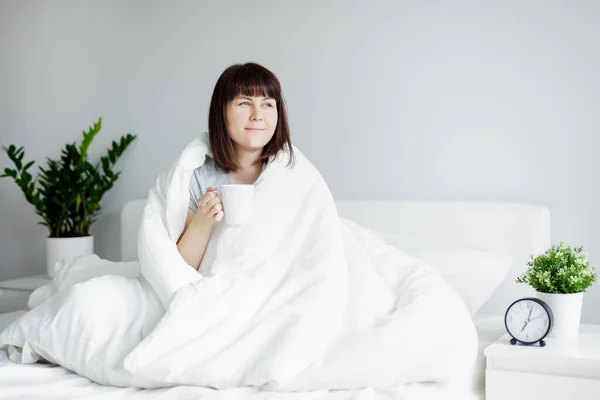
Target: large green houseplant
(67,193)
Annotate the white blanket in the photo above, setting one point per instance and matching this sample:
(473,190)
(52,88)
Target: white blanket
(293,301)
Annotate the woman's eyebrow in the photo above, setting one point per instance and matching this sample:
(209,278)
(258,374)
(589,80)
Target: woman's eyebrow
(249,98)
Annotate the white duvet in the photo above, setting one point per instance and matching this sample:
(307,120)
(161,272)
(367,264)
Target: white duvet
(297,300)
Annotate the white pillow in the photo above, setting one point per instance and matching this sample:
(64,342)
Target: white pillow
(474,274)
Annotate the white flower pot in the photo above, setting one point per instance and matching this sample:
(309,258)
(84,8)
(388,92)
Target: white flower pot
(63,249)
(566,312)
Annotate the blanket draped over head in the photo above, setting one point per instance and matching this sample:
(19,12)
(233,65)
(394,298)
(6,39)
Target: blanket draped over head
(296,300)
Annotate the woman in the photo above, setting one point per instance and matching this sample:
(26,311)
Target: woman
(247,125)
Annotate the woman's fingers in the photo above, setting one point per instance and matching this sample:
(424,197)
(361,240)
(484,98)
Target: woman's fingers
(209,205)
(214,210)
(206,199)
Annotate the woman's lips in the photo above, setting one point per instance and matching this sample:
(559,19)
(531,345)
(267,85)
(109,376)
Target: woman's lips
(254,129)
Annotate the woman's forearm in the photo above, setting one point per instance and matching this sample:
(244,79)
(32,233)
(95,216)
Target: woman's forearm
(192,244)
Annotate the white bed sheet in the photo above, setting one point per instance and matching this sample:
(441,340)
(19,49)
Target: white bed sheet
(54,382)
(489,329)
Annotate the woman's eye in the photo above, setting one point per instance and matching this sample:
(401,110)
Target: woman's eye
(248,103)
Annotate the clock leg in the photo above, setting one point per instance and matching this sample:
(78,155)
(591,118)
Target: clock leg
(513,341)
(542,343)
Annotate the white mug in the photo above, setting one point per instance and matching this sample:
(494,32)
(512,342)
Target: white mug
(237,202)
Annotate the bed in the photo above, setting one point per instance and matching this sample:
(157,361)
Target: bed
(504,229)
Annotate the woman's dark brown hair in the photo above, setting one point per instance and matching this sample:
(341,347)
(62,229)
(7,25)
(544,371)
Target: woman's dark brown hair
(248,79)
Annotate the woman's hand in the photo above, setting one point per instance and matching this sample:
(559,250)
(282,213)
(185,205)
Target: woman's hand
(210,208)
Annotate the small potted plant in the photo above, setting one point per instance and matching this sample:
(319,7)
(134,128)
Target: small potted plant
(67,193)
(560,276)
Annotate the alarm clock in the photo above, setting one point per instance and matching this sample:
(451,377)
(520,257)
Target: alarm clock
(528,321)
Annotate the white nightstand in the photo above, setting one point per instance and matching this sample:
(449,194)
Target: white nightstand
(14,293)
(564,369)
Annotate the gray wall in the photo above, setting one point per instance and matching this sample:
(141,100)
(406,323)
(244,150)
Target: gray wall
(390,100)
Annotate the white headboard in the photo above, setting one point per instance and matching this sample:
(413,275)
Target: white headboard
(515,230)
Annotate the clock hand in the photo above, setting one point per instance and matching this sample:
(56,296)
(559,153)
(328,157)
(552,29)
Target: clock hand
(529,316)
(524,325)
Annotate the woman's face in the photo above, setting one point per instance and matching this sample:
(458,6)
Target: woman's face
(251,121)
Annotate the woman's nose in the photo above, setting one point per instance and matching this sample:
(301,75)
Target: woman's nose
(256,115)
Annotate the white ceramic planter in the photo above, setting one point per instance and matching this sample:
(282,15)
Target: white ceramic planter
(566,310)
(62,249)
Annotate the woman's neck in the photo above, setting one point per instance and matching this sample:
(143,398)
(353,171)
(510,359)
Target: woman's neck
(247,159)
(248,171)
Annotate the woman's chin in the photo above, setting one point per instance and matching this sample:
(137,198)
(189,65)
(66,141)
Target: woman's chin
(251,147)
(254,145)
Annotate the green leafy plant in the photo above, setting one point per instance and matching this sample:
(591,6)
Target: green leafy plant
(561,269)
(67,193)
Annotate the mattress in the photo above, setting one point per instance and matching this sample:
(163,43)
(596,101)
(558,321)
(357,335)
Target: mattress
(54,382)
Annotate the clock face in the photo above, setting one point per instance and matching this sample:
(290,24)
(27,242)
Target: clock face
(527,321)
